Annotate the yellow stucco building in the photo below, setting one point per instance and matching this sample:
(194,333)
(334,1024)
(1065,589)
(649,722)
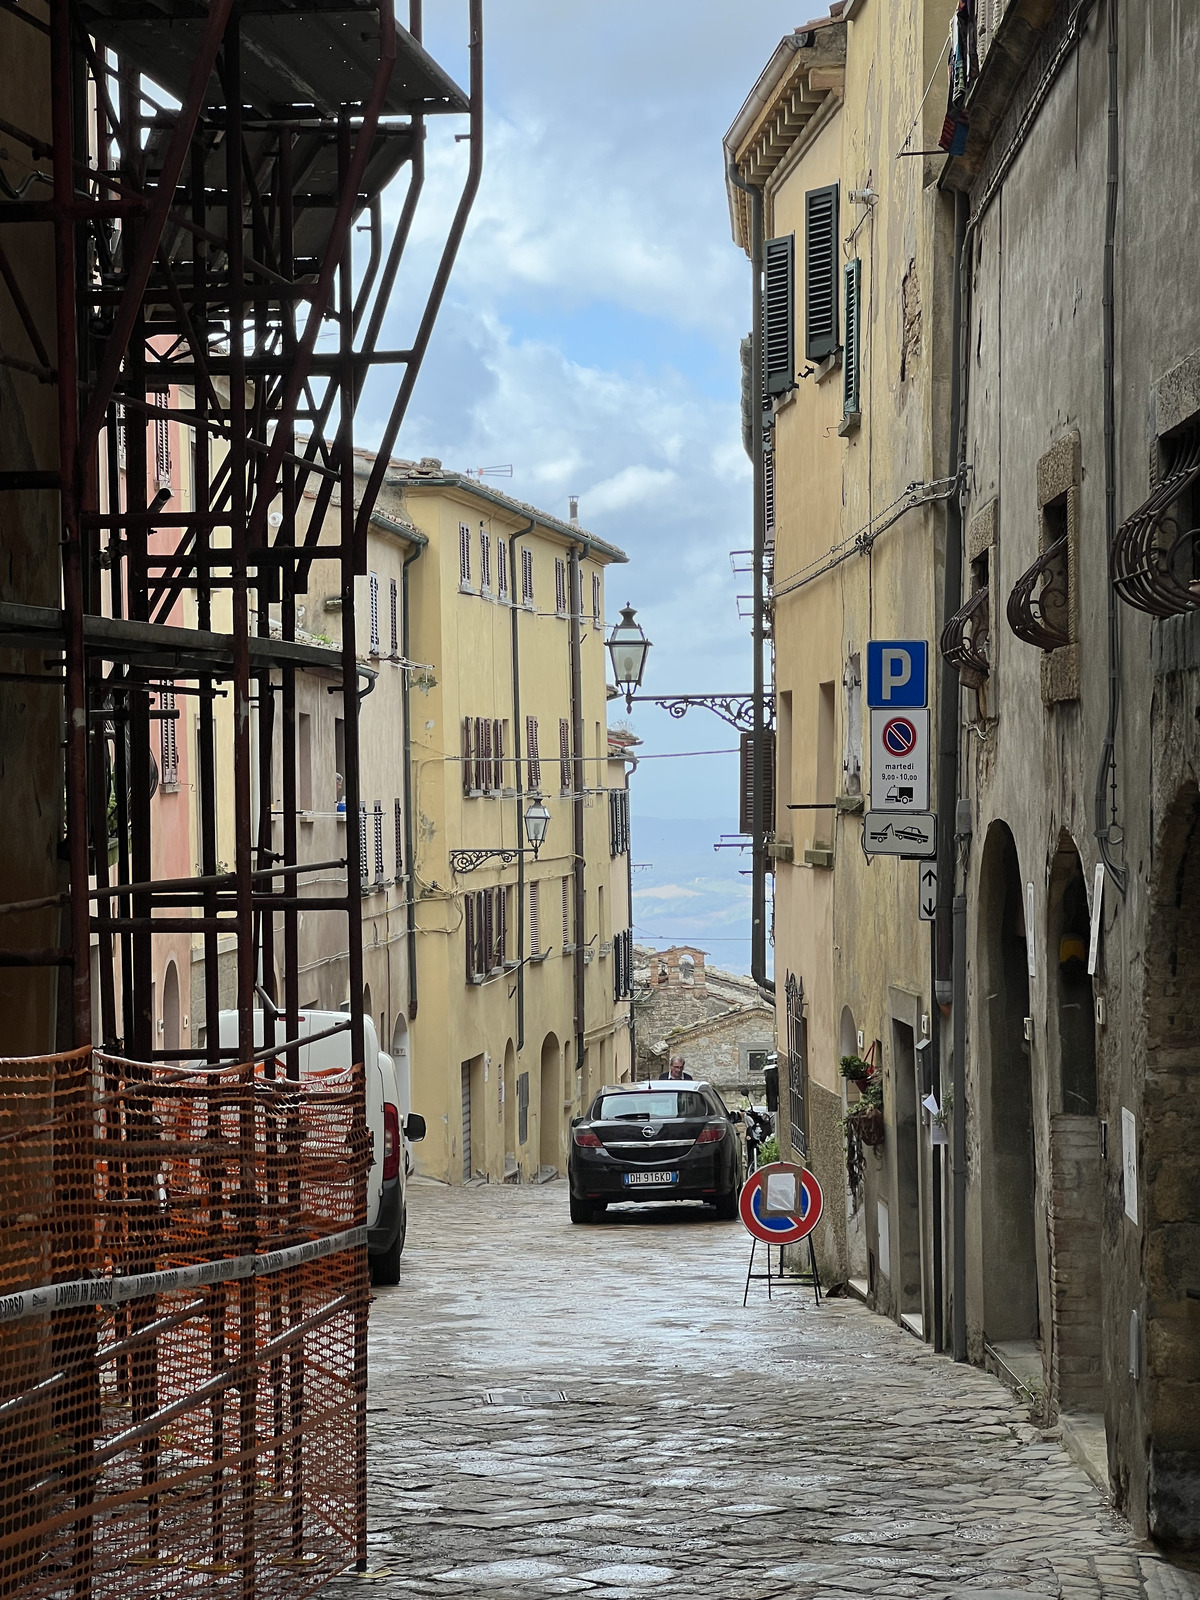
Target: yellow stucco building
(856,347)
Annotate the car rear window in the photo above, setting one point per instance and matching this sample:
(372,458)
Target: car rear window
(659,1103)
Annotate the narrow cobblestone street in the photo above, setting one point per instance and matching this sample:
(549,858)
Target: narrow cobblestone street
(556,1409)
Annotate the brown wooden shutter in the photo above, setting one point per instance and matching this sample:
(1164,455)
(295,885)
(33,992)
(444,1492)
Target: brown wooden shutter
(469,932)
(746,785)
(535,918)
(533,761)
(468,765)
(477,738)
(489,933)
(502,921)
(485,764)
(497,754)
(564,752)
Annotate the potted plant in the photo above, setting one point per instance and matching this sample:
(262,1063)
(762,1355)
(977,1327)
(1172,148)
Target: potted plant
(855,1069)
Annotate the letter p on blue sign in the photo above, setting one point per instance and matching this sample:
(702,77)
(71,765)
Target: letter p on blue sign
(897,672)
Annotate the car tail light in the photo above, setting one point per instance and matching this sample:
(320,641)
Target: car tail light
(712,1135)
(588,1140)
(391,1142)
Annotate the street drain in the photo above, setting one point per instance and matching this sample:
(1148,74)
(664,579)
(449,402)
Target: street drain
(516,1397)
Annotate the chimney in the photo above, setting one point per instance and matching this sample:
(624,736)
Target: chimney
(573,503)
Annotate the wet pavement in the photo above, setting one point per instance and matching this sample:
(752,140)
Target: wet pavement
(560,1410)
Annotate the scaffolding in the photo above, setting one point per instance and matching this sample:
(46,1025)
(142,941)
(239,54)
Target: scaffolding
(215,174)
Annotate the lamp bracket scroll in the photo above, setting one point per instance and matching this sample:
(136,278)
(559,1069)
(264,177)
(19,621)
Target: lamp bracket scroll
(735,709)
(468,860)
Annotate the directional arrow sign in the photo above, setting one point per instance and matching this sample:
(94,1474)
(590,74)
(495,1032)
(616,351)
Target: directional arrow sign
(927,897)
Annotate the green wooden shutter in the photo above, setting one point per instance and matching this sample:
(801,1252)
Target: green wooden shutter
(851,286)
(779,295)
(821,272)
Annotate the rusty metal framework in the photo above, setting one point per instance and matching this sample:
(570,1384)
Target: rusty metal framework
(1155,566)
(214,187)
(1038,607)
(964,641)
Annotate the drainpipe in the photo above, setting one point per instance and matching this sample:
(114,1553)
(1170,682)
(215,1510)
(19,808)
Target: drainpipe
(943,930)
(410,864)
(758,853)
(520,783)
(954,810)
(579,784)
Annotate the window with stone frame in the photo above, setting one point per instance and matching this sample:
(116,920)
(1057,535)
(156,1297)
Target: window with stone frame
(1043,607)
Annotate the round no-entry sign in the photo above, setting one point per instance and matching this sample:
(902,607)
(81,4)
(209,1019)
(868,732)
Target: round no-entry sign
(780,1230)
(899,736)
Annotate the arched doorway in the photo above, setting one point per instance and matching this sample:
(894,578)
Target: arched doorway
(510,1108)
(1169,1166)
(1008,1171)
(170,1008)
(856,1232)
(1076,1199)
(399,1054)
(550,1105)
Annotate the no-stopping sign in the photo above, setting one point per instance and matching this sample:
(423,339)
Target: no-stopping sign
(780,1230)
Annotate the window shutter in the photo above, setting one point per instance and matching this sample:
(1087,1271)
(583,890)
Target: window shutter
(527,577)
(502,923)
(162,439)
(378,820)
(485,764)
(564,753)
(566,912)
(535,918)
(398,823)
(497,754)
(469,931)
(746,787)
(485,560)
(364,876)
(597,615)
(395,620)
(477,777)
(820,272)
(468,765)
(851,284)
(769,495)
(779,299)
(489,933)
(501,568)
(560,586)
(168,746)
(533,760)
(464,553)
(374,580)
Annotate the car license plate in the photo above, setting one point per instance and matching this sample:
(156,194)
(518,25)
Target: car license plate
(632,1178)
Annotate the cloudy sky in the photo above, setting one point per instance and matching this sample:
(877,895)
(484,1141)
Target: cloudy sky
(590,338)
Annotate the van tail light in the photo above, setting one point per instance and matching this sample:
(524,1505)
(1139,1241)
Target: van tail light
(588,1140)
(712,1135)
(391,1142)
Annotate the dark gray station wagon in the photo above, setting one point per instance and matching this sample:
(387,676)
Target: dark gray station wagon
(664,1140)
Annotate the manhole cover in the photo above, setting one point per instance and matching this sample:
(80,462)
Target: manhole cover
(523,1397)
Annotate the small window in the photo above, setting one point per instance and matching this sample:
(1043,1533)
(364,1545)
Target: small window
(168,739)
(756,1060)
(464,556)
(560,586)
(374,582)
(851,385)
(485,562)
(532,758)
(779,359)
(821,272)
(535,918)
(527,577)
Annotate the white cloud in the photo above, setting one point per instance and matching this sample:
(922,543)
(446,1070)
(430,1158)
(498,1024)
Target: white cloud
(629,487)
(668,891)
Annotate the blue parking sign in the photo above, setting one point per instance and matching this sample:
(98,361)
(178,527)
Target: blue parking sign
(897,672)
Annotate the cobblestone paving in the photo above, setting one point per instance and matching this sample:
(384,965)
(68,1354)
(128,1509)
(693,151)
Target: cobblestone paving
(560,1410)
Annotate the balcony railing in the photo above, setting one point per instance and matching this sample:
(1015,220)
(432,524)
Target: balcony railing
(1038,607)
(964,641)
(1155,563)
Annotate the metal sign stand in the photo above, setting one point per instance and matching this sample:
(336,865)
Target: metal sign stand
(811,1276)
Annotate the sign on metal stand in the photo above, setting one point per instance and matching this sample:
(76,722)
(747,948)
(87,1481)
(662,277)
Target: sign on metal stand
(780,1204)
(899,822)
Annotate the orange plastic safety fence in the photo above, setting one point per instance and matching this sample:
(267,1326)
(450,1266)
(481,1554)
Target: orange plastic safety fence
(209,1436)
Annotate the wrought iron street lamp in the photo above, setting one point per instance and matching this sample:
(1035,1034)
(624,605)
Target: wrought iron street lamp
(628,646)
(537,820)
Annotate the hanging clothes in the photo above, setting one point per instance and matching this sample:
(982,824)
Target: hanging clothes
(963,68)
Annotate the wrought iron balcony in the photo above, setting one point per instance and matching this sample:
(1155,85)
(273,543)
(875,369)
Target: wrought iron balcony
(1038,607)
(1155,563)
(964,641)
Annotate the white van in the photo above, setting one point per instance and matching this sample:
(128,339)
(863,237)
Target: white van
(392,1125)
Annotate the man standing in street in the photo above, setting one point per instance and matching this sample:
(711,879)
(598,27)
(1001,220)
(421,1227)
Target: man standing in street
(677,1068)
